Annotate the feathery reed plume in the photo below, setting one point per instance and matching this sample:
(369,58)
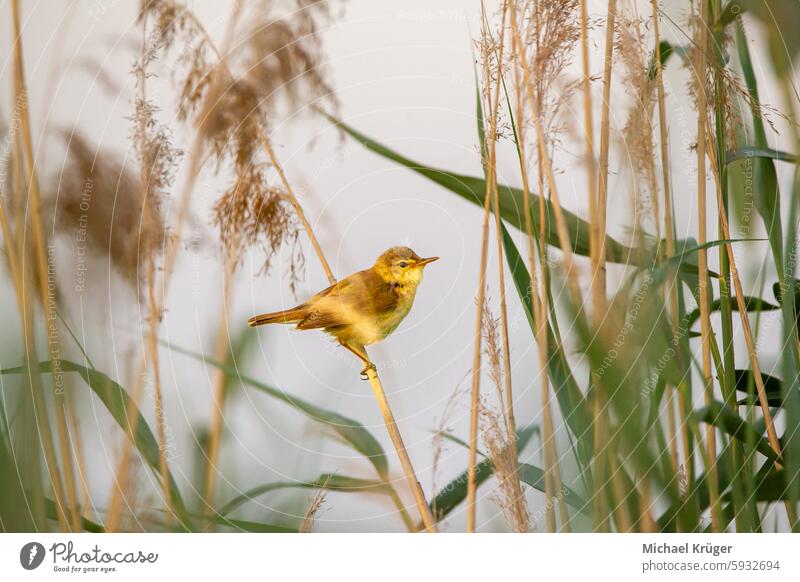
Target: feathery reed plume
(638,131)
(102,200)
(490,332)
(315,503)
(557,14)
(251,213)
(499,437)
(229,96)
(229,117)
(505,470)
(284,58)
(232,118)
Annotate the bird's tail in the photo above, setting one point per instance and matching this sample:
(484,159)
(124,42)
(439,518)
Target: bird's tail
(293,315)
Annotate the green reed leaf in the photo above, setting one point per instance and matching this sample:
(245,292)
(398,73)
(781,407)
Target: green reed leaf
(120,405)
(329,482)
(725,418)
(473,189)
(573,406)
(348,429)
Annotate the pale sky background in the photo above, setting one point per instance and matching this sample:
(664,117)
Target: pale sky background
(405,77)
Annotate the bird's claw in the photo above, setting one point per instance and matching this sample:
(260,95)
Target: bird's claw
(367,368)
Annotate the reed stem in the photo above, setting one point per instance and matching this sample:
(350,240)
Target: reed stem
(705,320)
(511,426)
(157,303)
(669,232)
(47,298)
(400,448)
(476,367)
(222,350)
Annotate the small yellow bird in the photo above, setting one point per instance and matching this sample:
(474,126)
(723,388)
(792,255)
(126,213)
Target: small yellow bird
(363,308)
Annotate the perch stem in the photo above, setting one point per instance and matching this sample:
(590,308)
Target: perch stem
(400,448)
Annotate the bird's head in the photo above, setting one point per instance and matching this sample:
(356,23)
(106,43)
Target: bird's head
(401,265)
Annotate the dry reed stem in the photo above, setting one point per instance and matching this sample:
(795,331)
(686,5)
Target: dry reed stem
(648,524)
(476,365)
(538,293)
(598,290)
(155,314)
(220,354)
(747,331)
(620,509)
(669,231)
(705,320)
(405,461)
(598,282)
(297,207)
(122,471)
(80,459)
(476,368)
(15,252)
(605,125)
(534,290)
(158,401)
(25,142)
(511,425)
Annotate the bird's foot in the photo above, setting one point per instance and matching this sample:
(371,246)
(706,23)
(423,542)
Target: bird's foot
(364,373)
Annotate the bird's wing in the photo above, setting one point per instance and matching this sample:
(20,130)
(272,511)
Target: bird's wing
(361,295)
(376,295)
(318,319)
(323,310)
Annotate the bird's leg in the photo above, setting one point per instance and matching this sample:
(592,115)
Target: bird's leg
(361,354)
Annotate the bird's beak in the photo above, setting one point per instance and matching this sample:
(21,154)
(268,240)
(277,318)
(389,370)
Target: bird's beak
(423,262)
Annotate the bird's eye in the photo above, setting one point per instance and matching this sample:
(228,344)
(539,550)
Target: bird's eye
(403,264)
